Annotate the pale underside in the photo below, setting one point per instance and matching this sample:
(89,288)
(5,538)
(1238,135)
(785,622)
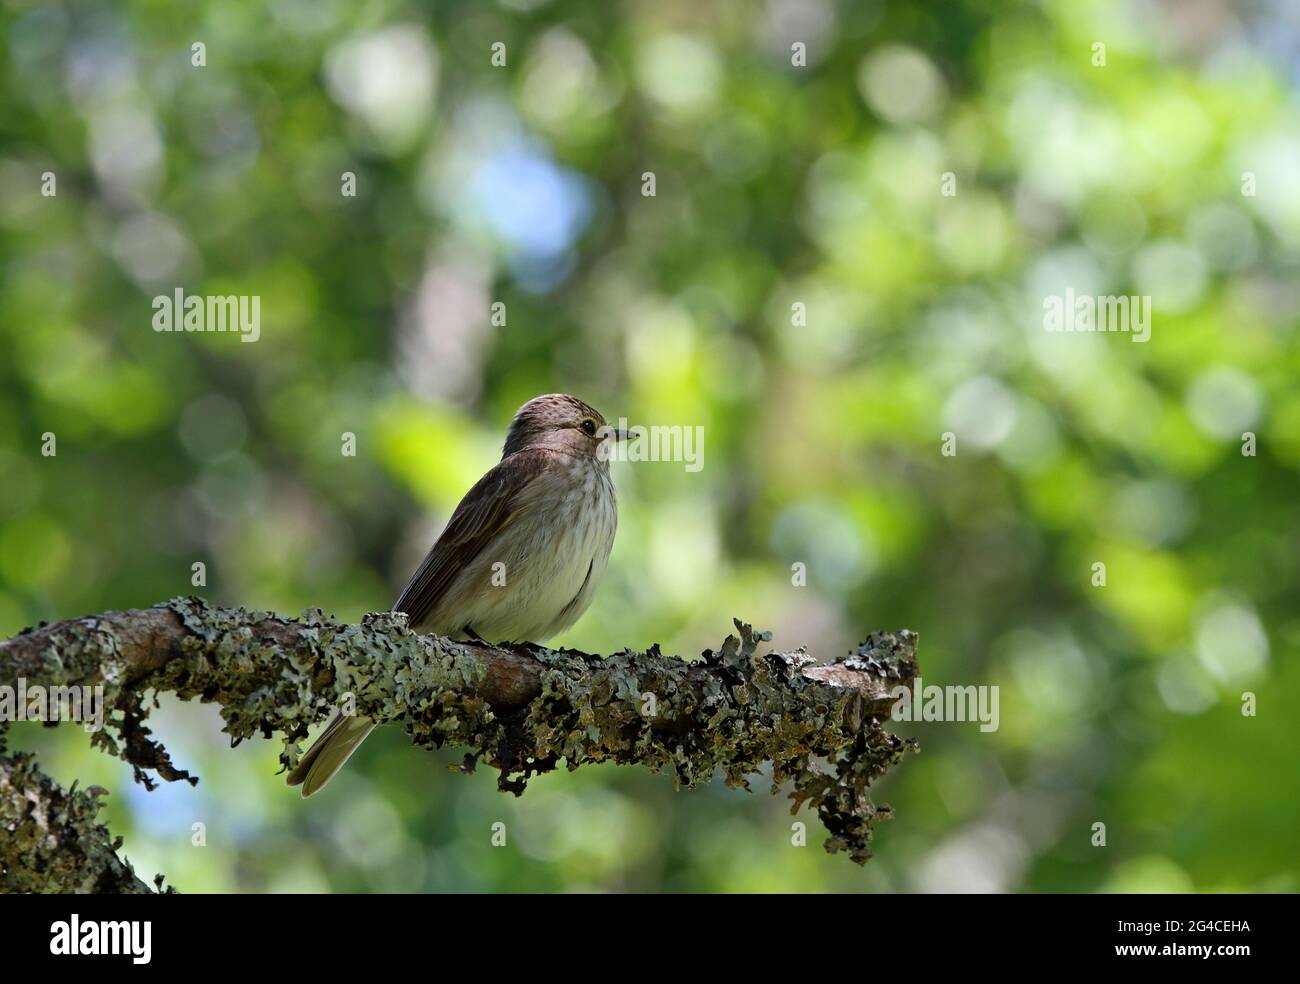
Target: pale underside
(537,575)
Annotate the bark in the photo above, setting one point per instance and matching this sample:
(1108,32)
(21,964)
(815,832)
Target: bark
(519,709)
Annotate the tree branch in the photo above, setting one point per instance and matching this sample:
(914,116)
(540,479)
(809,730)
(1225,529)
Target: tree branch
(520,709)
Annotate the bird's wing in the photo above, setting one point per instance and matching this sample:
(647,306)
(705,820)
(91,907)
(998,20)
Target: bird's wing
(487,509)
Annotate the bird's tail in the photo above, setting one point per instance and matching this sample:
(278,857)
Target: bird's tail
(333,748)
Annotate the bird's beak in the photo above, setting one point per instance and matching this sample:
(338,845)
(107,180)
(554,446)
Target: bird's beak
(614,434)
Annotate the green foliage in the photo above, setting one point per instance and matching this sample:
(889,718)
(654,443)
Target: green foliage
(776,185)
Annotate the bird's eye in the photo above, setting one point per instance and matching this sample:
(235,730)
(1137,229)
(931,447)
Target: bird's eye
(589,427)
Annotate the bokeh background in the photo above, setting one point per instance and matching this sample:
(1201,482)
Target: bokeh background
(776,185)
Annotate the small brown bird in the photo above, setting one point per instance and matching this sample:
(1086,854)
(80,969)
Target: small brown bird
(520,558)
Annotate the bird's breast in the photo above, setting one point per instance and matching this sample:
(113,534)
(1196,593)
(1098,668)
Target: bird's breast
(552,556)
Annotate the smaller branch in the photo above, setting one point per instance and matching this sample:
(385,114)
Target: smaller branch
(52,842)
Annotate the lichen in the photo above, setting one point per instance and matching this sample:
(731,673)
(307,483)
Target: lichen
(52,841)
(729,712)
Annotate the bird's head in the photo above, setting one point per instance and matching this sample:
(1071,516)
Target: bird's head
(560,422)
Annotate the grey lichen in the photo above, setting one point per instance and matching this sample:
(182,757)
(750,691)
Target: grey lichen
(50,840)
(522,710)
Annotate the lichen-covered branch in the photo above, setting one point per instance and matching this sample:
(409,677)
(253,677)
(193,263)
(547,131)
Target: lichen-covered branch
(519,709)
(49,839)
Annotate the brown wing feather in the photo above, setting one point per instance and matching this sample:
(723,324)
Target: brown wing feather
(484,512)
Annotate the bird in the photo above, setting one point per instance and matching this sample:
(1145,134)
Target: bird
(519,560)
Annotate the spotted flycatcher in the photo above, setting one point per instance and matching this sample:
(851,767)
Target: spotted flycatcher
(520,558)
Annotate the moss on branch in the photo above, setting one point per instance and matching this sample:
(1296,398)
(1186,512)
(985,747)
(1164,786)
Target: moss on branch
(519,709)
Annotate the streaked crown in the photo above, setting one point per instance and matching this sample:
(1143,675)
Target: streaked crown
(557,421)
